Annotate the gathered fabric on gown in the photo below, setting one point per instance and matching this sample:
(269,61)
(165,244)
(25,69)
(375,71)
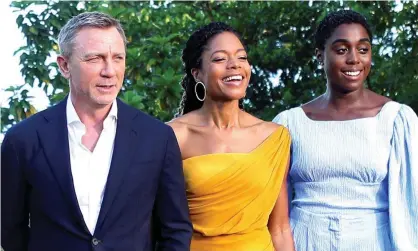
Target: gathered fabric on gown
(231,195)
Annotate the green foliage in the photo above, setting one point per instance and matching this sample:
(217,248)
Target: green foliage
(20,107)
(278,35)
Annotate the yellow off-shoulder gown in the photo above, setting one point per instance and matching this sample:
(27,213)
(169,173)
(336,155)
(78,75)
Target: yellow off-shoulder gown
(231,195)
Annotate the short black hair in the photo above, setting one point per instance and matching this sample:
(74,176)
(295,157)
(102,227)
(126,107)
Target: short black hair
(334,19)
(192,58)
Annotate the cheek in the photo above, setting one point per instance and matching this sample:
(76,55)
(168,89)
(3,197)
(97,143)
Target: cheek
(367,61)
(86,76)
(248,70)
(332,65)
(121,70)
(89,73)
(212,75)
(334,61)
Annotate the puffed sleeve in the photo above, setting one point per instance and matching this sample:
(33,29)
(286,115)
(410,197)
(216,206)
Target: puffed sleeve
(403,181)
(281,119)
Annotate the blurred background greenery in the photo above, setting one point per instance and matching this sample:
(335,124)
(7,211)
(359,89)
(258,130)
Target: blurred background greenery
(279,36)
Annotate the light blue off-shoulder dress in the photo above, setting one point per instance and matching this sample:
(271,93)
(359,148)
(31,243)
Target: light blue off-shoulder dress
(355,182)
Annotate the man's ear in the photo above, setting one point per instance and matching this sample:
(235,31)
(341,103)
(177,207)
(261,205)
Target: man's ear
(319,56)
(63,66)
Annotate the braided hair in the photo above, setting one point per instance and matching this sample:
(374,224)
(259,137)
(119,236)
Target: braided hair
(192,58)
(334,19)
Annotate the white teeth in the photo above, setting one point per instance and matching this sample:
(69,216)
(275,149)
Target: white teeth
(352,73)
(236,77)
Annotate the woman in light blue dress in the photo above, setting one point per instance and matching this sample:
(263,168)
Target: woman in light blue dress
(354,168)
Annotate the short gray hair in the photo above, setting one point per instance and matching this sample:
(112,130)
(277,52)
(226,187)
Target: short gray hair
(83,20)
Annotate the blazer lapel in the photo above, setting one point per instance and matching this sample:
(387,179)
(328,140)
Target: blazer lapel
(54,139)
(123,148)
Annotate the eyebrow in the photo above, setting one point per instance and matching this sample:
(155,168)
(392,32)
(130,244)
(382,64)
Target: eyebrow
(224,51)
(342,40)
(87,55)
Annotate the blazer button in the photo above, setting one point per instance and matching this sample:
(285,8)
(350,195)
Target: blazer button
(95,241)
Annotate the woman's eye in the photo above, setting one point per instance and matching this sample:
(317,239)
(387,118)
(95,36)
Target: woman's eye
(341,50)
(364,50)
(218,59)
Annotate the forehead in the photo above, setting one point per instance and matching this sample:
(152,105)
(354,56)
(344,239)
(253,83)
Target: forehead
(350,32)
(90,38)
(225,41)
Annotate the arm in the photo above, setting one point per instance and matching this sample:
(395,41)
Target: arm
(14,199)
(172,211)
(278,224)
(403,181)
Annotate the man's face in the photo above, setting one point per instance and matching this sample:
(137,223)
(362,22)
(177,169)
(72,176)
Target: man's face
(96,66)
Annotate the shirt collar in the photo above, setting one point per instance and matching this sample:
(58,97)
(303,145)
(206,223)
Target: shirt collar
(72,115)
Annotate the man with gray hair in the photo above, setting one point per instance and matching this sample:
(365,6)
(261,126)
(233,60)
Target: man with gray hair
(92,172)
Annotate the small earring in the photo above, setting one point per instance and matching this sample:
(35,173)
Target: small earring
(195,91)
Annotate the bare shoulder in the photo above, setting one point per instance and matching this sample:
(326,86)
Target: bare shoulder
(176,123)
(249,120)
(260,126)
(182,120)
(270,127)
(180,126)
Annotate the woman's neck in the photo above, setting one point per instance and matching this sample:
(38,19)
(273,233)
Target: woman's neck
(342,101)
(223,115)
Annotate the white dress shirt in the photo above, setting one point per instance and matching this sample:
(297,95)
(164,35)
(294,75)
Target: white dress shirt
(90,169)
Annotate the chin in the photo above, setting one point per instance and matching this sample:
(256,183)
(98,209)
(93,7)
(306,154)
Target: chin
(234,98)
(350,88)
(235,95)
(104,100)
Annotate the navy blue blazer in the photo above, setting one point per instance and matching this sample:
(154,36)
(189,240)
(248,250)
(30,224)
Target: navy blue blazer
(144,206)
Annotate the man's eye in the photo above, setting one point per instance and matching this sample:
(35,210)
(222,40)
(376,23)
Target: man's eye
(94,59)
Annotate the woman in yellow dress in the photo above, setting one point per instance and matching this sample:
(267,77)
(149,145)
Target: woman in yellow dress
(235,165)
